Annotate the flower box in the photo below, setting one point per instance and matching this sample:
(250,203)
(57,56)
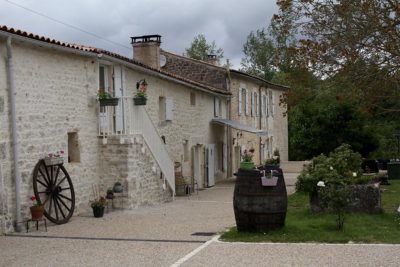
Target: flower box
(50,161)
(247,165)
(139,101)
(265,181)
(109,102)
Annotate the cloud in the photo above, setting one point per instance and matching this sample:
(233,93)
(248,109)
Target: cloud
(226,22)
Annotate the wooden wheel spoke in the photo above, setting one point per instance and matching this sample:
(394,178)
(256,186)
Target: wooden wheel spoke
(57,172)
(48,176)
(44,176)
(55,207)
(50,201)
(67,198)
(63,203)
(65,188)
(62,180)
(40,182)
(42,192)
(59,207)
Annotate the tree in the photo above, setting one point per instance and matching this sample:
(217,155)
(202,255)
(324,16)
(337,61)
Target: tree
(339,36)
(200,49)
(259,54)
(326,121)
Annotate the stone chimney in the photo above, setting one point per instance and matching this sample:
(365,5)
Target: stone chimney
(212,59)
(146,49)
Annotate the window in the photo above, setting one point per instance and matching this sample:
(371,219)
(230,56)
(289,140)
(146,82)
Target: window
(104,79)
(217,107)
(185,150)
(73,148)
(246,93)
(240,100)
(193,99)
(263,103)
(165,105)
(169,104)
(161,108)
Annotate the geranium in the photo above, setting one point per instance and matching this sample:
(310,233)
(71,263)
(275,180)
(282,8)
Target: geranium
(35,202)
(56,154)
(248,155)
(141,87)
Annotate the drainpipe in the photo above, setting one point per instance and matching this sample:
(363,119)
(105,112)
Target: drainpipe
(260,119)
(10,78)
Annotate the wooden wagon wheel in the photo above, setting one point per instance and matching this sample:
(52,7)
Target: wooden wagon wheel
(53,187)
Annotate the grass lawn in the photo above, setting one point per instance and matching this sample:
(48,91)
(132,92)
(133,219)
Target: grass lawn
(303,226)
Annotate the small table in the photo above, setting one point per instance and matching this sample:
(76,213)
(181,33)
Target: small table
(37,224)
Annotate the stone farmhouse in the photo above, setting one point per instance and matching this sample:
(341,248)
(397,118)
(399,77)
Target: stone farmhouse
(198,119)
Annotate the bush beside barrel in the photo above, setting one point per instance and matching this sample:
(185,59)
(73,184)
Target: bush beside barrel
(257,207)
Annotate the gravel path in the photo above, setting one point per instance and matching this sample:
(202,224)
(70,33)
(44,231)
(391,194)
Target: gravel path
(163,236)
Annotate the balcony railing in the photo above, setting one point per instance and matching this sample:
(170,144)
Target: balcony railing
(128,119)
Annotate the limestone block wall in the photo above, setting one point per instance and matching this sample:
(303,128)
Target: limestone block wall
(275,125)
(54,96)
(190,122)
(128,160)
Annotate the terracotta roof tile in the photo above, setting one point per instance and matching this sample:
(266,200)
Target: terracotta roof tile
(111,54)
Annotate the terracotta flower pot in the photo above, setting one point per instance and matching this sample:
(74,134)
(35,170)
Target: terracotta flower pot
(37,213)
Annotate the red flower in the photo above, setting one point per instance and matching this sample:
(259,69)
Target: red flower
(33,198)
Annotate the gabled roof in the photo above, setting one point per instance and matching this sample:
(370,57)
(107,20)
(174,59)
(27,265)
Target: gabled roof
(207,73)
(98,51)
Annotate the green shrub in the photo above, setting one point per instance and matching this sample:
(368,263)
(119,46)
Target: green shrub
(342,166)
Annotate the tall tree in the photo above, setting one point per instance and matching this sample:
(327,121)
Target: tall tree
(259,54)
(337,37)
(200,48)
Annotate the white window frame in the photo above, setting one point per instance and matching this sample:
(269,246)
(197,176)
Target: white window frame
(253,113)
(217,106)
(169,105)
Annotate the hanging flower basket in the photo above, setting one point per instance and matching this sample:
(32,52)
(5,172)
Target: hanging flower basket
(109,102)
(139,101)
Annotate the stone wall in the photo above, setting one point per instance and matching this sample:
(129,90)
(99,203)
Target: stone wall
(364,198)
(54,96)
(276,125)
(128,160)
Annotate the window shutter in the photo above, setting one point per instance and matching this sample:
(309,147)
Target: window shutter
(257,104)
(273,105)
(216,107)
(169,115)
(247,102)
(262,105)
(240,101)
(252,104)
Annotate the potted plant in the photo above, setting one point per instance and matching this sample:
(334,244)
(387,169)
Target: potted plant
(55,158)
(98,206)
(110,193)
(106,99)
(37,209)
(275,160)
(141,96)
(247,162)
(118,187)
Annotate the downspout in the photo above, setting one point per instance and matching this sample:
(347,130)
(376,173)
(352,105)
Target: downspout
(260,119)
(10,78)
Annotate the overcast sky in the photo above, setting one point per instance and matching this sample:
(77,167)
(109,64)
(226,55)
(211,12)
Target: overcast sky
(227,22)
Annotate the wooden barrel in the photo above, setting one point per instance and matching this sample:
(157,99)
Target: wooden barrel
(257,207)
